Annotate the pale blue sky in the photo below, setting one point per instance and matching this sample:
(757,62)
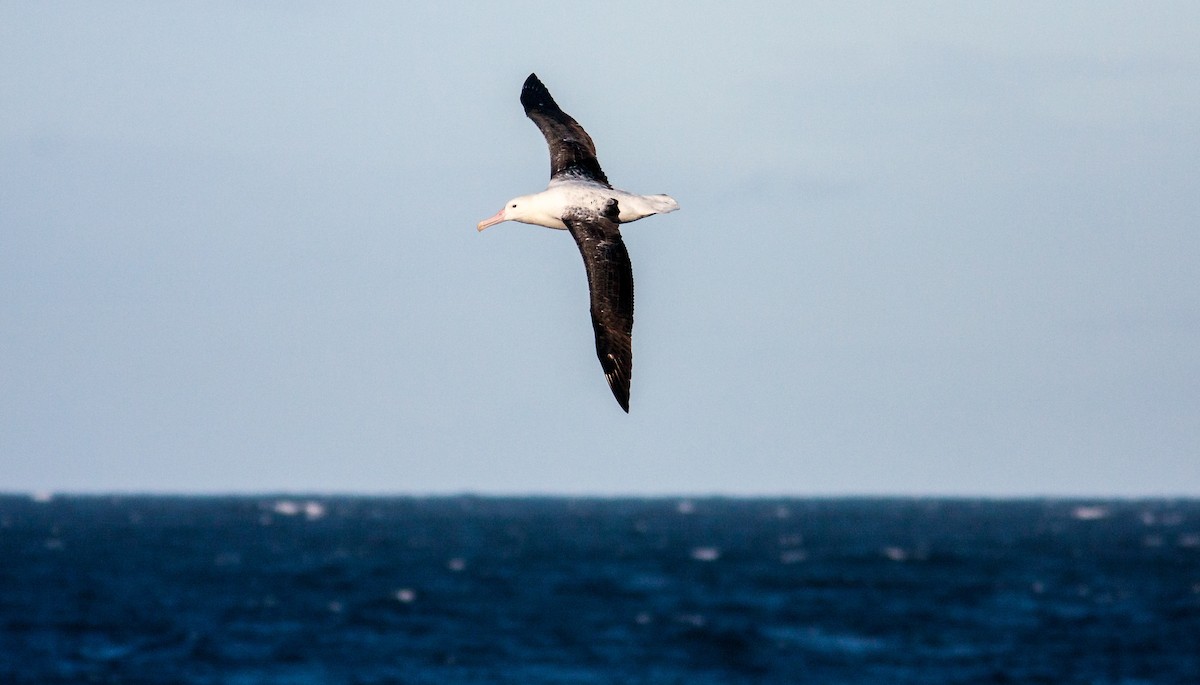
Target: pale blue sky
(925,248)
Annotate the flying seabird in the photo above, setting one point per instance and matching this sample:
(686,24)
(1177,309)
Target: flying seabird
(579,199)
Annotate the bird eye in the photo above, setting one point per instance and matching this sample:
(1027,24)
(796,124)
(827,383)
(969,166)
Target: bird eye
(513,207)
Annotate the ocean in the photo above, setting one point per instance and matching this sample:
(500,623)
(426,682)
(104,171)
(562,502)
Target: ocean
(301,590)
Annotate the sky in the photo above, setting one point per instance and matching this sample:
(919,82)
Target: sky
(930,248)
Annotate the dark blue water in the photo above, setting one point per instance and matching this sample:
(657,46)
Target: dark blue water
(479,590)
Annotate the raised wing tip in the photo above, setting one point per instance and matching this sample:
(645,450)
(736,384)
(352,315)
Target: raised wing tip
(535,95)
(533,83)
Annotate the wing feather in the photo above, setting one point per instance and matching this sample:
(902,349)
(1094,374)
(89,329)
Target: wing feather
(572,152)
(610,285)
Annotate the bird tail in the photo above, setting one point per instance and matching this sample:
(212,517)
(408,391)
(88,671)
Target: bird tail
(661,203)
(634,207)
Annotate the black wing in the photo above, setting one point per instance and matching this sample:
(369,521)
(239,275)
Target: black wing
(571,149)
(610,284)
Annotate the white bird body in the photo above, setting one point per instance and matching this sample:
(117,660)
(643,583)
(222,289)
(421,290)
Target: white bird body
(548,207)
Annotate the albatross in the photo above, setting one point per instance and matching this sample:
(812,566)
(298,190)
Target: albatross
(580,200)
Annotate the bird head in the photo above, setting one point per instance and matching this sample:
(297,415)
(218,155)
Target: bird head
(524,209)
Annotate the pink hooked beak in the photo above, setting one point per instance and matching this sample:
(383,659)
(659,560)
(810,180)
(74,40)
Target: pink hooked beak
(491,221)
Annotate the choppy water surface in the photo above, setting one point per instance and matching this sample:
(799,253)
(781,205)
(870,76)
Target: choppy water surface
(303,590)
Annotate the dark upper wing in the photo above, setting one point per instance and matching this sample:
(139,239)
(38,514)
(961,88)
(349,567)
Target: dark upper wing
(610,284)
(571,148)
